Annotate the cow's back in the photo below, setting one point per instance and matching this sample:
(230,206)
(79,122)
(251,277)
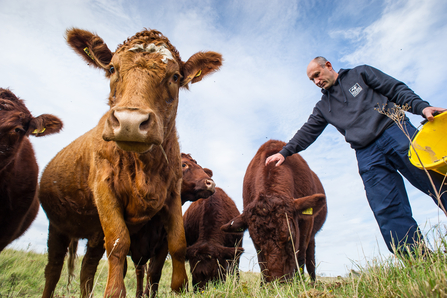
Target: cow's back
(293,178)
(203,219)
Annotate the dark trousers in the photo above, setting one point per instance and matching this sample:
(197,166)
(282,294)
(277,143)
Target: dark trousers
(379,166)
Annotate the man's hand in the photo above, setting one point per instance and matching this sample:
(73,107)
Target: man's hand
(428,112)
(278,157)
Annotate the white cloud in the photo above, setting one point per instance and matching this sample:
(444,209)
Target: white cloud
(407,42)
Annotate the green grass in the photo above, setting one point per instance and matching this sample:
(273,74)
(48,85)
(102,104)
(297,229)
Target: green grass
(22,275)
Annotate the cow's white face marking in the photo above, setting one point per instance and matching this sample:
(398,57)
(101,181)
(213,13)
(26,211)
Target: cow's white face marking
(152,48)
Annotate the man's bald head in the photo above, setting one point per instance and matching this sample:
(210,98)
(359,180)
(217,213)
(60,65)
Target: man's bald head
(320,72)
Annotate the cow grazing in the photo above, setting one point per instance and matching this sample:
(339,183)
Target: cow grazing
(150,242)
(18,165)
(211,252)
(284,207)
(108,183)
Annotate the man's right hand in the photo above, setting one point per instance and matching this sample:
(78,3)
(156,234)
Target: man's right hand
(278,158)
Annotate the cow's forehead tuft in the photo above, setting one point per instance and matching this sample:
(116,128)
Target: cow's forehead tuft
(152,48)
(145,38)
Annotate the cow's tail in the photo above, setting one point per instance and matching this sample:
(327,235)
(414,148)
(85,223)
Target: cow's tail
(72,248)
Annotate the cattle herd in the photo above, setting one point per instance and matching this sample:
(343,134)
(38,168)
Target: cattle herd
(122,184)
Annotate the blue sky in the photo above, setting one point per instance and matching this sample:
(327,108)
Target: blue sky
(260,93)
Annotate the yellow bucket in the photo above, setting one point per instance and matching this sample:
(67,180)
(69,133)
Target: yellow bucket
(430,144)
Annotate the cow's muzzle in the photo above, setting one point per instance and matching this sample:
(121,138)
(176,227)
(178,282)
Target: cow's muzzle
(133,129)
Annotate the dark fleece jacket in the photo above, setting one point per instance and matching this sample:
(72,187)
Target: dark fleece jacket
(350,105)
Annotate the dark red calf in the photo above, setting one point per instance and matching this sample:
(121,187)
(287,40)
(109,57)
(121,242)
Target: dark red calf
(18,166)
(284,207)
(211,252)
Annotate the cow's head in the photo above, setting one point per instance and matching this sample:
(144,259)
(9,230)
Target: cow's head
(272,221)
(145,74)
(211,262)
(16,122)
(197,182)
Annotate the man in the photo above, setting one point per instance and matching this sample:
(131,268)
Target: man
(349,102)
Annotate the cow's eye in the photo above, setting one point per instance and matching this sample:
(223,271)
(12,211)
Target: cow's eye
(184,165)
(19,130)
(112,69)
(175,77)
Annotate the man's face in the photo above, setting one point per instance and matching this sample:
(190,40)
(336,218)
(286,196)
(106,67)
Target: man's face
(323,77)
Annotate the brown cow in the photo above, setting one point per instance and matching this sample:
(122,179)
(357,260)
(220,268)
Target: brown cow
(150,242)
(18,165)
(107,184)
(284,207)
(211,252)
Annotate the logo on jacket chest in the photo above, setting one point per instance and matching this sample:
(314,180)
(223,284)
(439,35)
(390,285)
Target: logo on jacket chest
(355,90)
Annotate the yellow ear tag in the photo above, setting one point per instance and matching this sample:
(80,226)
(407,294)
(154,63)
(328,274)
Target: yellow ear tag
(308,211)
(36,132)
(199,73)
(88,53)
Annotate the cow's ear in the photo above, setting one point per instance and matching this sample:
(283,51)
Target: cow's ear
(208,172)
(230,252)
(45,124)
(236,225)
(90,47)
(310,205)
(200,65)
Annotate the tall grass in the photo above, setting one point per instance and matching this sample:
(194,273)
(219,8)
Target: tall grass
(417,275)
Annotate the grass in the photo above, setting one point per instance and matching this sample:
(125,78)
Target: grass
(417,275)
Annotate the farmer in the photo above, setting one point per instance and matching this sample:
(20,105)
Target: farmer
(349,102)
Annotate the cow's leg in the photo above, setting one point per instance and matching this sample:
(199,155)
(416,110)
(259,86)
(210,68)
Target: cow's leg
(310,259)
(57,249)
(173,221)
(116,235)
(237,263)
(305,226)
(89,266)
(154,271)
(139,273)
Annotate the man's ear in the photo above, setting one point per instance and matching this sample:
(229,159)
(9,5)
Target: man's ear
(200,65)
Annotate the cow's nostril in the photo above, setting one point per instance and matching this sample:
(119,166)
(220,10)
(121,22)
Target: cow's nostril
(144,125)
(114,120)
(209,182)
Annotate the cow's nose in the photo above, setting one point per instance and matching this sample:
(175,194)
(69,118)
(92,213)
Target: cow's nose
(130,125)
(210,184)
